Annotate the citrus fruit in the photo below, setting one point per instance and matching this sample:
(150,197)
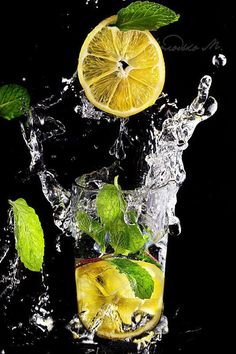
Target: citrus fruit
(107,304)
(122,73)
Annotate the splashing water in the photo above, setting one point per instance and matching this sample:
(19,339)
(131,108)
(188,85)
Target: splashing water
(161,182)
(9,282)
(117,148)
(12,282)
(41,312)
(166,170)
(164,176)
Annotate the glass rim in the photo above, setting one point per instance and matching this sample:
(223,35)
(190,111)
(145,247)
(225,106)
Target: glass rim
(125,191)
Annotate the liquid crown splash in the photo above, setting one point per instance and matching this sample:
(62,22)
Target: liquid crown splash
(165,165)
(164,176)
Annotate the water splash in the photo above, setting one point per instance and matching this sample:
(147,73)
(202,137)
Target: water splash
(57,196)
(164,176)
(13,287)
(11,281)
(4,248)
(169,137)
(166,171)
(41,312)
(118,148)
(86,110)
(57,98)
(12,276)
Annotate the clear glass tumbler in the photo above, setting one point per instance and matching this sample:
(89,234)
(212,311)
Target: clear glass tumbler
(120,251)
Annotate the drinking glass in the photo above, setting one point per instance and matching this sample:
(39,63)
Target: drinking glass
(120,269)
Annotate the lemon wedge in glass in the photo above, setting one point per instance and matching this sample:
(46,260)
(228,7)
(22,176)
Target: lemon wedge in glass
(107,304)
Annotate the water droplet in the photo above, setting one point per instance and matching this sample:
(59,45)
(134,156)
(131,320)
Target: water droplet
(175,229)
(97,248)
(77,108)
(66,88)
(219,60)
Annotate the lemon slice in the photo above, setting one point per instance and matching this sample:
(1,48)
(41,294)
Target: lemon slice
(107,304)
(122,73)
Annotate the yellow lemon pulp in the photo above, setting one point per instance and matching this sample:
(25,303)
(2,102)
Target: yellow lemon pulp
(107,304)
(122,73)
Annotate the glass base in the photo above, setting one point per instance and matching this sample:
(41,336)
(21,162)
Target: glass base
(146,344)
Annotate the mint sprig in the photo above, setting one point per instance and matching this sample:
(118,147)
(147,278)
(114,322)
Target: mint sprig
(111,208)
(145,15)
(124,238)
(140,280)
(28,235)
(14,101)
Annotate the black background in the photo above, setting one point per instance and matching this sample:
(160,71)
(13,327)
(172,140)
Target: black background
(41,44)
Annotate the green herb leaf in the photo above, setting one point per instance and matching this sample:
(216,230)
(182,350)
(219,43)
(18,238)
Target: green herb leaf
(92,228)
(145,15)
(125,238)
(140,280)
(28,234)
(14,101)
(110,204)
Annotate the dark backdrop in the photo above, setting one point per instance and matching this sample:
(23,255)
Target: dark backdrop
(39,46)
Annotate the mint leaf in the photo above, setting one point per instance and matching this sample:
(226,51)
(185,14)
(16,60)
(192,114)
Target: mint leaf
(28,234)
(145,15)
(125,238)
(136,239)
(119,239)
(110,204)
(14,101)
(132,216)
(92,228)
(140,280)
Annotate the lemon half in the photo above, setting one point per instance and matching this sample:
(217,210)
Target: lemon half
(107,304)
(122,73)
